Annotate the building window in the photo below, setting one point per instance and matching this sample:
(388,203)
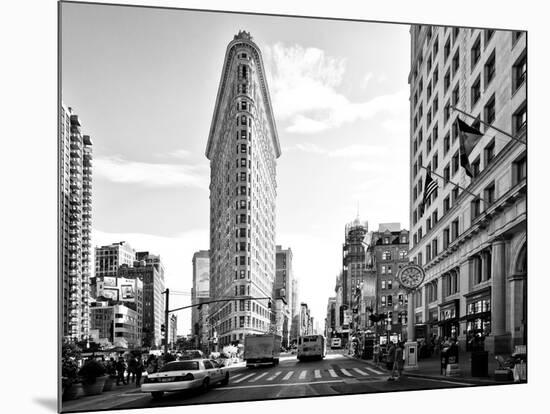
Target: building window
(428,253)
(447,49)
(455,163)
(490,70)
(456,62)
(446,144)
(402,254)
(446,81)
(456,95)
(455,194)
(489,195)
(520,121)
(243,105)
(488,36)
(390,300)
(519,72)
(435,76)
(489,152)
(476,167)
(383,269)
(383,284)
(435,133)
(476,52)
(386,255)
(476,208)
(447,112)
(454,229)
(519,169)
(383,300)
(445,238)
(476,91)
(515,37)
(489,110)
(446,205)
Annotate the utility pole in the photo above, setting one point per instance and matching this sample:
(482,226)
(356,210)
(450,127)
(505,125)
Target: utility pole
(166,312)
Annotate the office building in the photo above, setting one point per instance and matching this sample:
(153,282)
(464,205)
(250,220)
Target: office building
(470,234)
(242,147)
(200,292)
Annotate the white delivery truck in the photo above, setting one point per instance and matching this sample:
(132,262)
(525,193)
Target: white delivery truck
(262,350)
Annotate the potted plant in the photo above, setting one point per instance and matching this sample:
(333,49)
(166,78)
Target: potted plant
(93,377)
(69,370)
(69,379)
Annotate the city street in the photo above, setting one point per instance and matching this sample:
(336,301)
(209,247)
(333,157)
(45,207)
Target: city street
(337,374)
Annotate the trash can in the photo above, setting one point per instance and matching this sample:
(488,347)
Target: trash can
(480,364)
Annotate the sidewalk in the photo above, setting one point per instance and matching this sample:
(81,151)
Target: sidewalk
(431,368)
(104,401)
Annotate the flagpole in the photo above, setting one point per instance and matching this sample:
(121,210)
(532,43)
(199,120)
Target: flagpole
(456,185)
(489,125)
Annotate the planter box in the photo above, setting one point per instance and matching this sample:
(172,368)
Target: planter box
(95,388)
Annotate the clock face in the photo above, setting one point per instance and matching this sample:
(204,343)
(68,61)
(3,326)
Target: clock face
(411,276)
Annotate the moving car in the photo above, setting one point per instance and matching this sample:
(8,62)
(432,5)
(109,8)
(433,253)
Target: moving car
(192,354)
(185,375)
(262,350)
(336,343)
(311,347)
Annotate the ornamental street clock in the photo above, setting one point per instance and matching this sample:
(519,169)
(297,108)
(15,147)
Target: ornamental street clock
(410,276)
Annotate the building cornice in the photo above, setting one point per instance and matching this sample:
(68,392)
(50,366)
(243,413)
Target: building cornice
(241,40)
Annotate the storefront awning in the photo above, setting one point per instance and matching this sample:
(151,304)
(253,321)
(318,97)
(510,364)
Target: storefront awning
(479,315)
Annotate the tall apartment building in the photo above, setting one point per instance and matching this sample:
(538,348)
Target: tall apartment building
(471,243)
(200,292)
(330,321)
(75,186)
(150,270)
(109,258)
(388,248)
(116,324)
(242,147)
(353,258)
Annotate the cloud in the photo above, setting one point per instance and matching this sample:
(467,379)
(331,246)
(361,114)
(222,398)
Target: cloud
(349,151)
(303,84)
(365,80)
(119,170)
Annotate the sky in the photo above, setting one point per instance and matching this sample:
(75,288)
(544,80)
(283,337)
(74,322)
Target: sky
(144,83)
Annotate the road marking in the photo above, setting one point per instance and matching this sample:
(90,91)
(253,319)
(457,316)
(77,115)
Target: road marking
(258,377)
(438,380)
(287,376)
(332,373)
(236,375)
(359,371)
(317,373)
(274,376)
(373,370)
(346,372)
(275,385)
(302,375)
(243,378)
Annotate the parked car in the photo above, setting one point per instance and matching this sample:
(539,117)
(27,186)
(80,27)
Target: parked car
(185,375)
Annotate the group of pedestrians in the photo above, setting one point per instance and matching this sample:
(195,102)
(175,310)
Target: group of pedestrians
(126,372)
(395,360)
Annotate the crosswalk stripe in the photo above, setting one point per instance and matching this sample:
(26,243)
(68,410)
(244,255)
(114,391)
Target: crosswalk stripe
(243,378)
(332,373)
(302,375)
(373,370)
(258,377)
(359,371)
(346,372)
(236,375)
(274,376)
(287,376)
(317,373)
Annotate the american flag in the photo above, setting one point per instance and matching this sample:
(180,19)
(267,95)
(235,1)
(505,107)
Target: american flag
(430,185)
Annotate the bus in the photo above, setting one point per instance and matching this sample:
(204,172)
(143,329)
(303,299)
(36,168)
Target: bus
(311,347)
(336,343)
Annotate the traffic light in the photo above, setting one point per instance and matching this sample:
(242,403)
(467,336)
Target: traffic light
(196,328)
(162,328)
(269,304)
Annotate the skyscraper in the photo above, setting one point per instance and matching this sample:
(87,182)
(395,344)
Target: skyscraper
(470,234)
(75,186)
(242,147)
(283,292)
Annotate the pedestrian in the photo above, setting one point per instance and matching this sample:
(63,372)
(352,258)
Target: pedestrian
(398,363)
(131,369)
(139,371)
(120,368)
(391,356)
